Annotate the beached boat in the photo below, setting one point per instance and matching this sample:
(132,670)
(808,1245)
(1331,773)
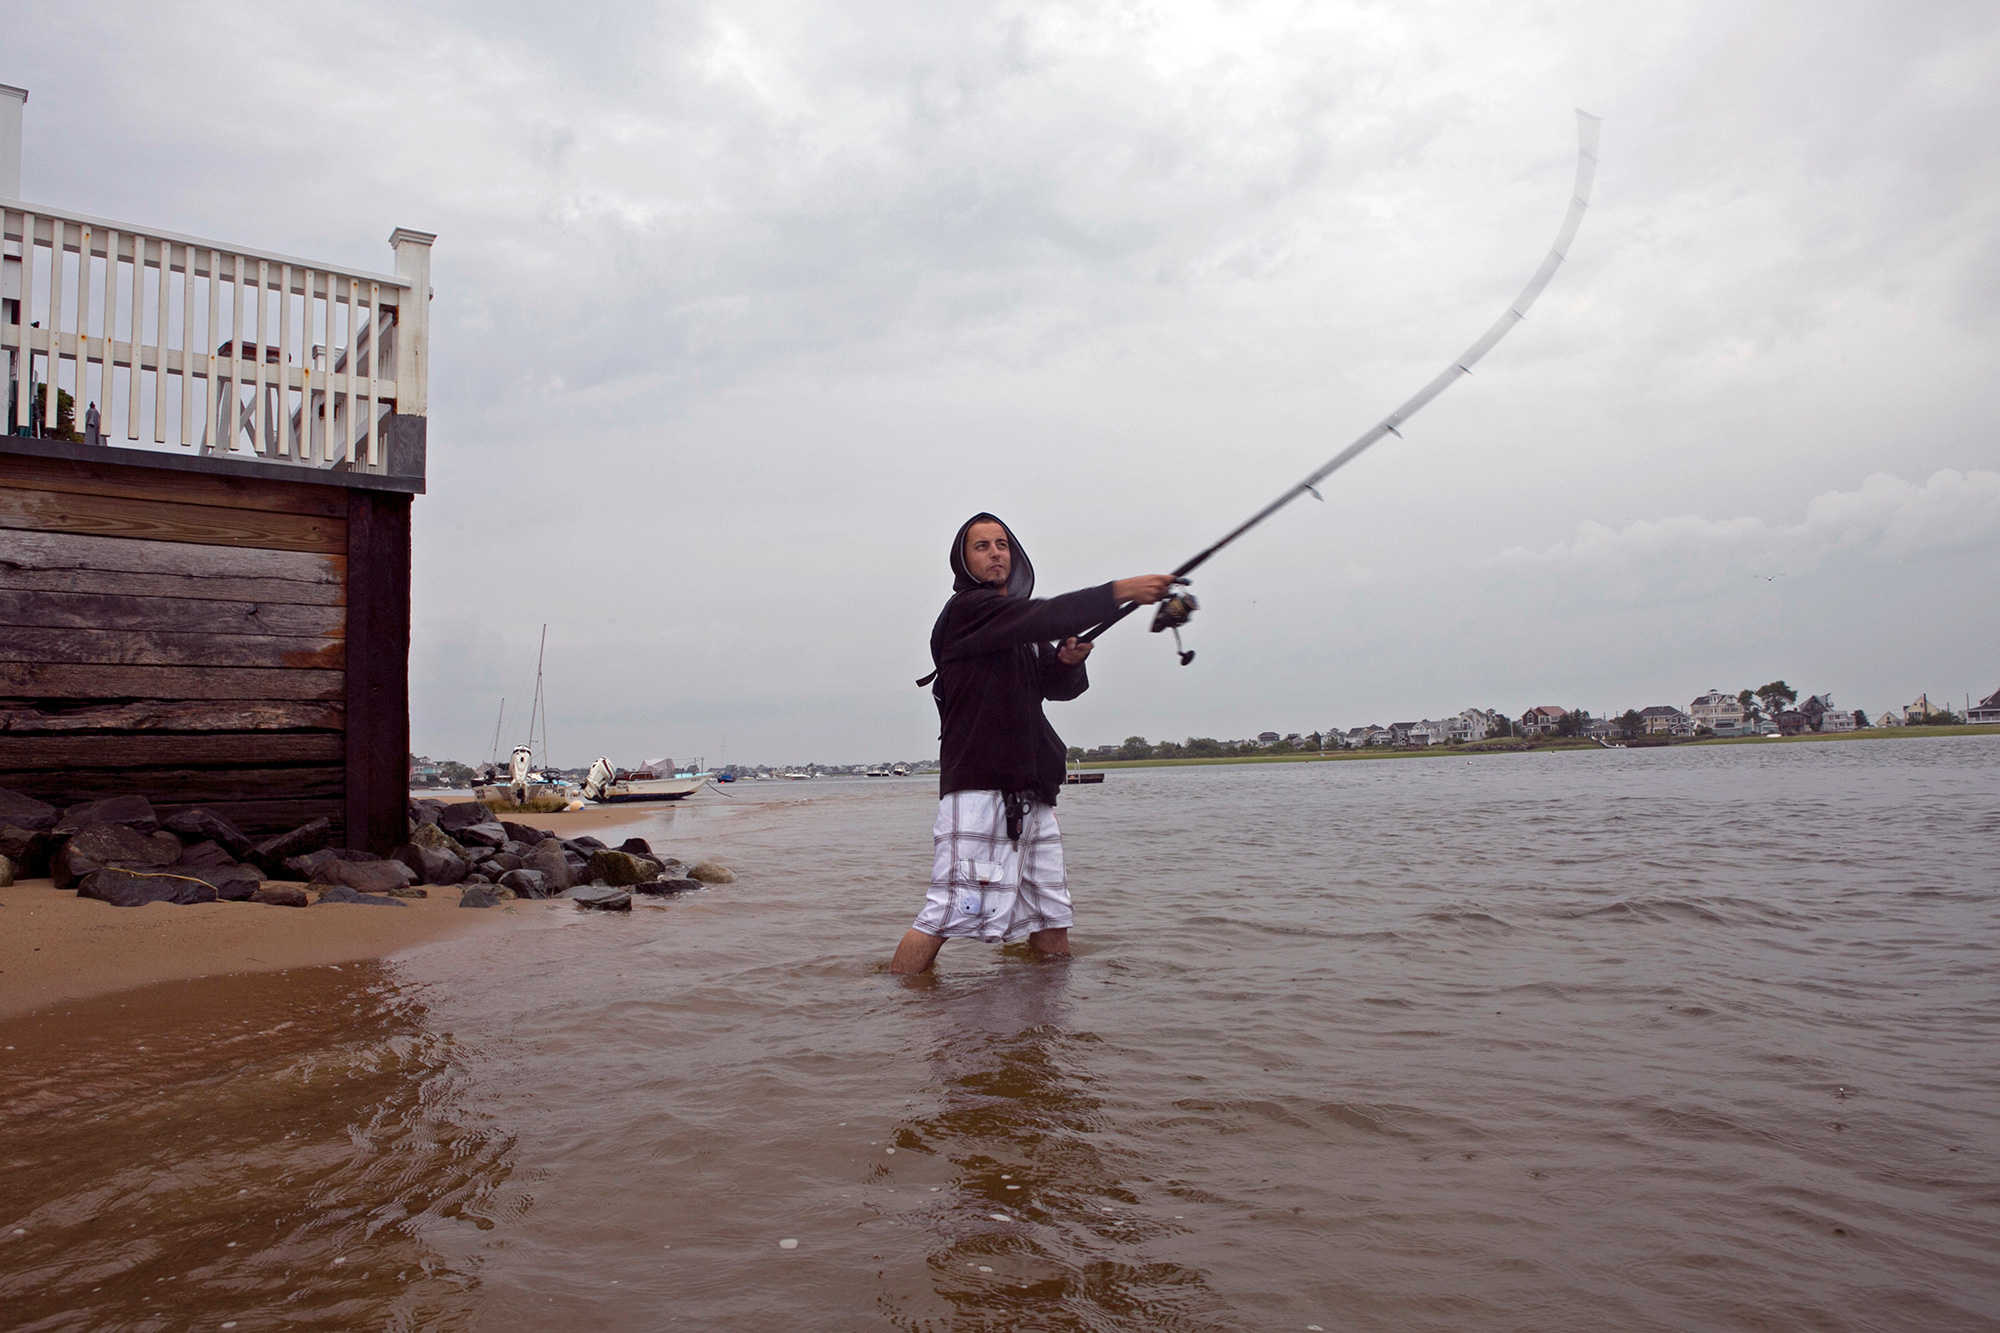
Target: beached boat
(608,785)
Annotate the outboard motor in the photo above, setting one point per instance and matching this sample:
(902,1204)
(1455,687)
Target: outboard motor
(598,781)
(518,766)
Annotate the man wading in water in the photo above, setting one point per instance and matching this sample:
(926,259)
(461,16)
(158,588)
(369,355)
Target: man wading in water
(998,868)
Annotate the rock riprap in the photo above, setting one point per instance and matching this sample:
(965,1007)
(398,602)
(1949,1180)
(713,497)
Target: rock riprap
(599,898)
(341,893)
(134,812)
(619,868)
(125,888)
(106,846)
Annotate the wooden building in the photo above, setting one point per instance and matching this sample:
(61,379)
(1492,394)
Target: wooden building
(206,480)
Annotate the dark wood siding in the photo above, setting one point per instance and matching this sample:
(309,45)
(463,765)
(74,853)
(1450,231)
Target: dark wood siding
(186,635)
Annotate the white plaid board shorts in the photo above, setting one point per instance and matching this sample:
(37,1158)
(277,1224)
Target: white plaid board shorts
(985,887)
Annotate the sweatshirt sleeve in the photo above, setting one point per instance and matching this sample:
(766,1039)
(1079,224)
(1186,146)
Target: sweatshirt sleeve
(986,621)
(1061,683)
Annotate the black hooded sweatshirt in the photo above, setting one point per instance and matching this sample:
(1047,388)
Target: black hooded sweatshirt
(996,661)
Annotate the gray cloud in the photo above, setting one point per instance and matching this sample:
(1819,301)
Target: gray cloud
(742,308)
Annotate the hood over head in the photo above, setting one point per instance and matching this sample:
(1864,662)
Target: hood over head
(1020,574)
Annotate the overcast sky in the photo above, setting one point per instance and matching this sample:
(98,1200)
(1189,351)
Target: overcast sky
(742,308)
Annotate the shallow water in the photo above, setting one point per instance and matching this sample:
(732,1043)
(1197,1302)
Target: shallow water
(1689,1039)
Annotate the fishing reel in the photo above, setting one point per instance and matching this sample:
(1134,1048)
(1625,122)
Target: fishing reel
(1174,611)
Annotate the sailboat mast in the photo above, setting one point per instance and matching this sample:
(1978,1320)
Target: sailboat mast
(535,709)
(494,757)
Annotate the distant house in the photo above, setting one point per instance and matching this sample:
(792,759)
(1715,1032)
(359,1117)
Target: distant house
(1372,734)
(1986,710)
(1837,719)
(1542,719)
(1665,719)
(1399,732)
(1920,710)
(1267,738)
(1428,732)
(1887,718)
(1720,713)
(423,771)
(1474,724)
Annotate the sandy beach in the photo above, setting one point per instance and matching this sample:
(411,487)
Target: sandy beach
(55,946)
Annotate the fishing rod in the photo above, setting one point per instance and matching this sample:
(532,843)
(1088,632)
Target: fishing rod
(1179,606)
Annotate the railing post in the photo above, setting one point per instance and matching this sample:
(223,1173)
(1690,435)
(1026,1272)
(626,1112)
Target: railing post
(13,365)
(12,102)
(413,321)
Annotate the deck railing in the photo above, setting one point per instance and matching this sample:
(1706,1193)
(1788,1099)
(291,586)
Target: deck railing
(213,347)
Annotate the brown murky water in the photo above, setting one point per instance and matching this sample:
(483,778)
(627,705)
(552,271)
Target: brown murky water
(1691,1040)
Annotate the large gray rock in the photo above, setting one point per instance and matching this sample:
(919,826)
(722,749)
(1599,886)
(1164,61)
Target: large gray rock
(362,876)
(636,845)
(29,849)
(341,893)
(583,845)
(198,825)
(103,846)
(462,813)
(431,866)
(124,888)
(712,872)
(426,812)
(525,883)
(281,895)
(489,834)
(134,812)
(25,812)
(271,854)
(619,868)
(555,869)
(479,896)
(437,840)
(525,834)
(304,867)
(205,854)
(661,888)
(599,898)
(232,883)
(6,871)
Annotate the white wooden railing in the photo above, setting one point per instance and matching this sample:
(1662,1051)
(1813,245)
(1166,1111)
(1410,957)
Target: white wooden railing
(212,347)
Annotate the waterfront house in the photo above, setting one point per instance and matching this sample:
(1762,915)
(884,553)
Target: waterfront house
(1542,719)
(1720,713)
(209,457)
(1986,710)
(1665,719)
(1473,724)
(1920,709)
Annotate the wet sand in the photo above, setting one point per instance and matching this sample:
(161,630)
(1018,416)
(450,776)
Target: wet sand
(55,946)
(569,823)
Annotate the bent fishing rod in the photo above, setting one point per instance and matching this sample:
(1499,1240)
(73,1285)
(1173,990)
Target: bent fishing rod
(1179,606)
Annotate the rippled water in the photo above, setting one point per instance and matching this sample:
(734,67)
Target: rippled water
(1690,1039)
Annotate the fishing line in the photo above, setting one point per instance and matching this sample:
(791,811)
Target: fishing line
(1178,607)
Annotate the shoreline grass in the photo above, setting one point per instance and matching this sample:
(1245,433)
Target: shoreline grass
(1515,745)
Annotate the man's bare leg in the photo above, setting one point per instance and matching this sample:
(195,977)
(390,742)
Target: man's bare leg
(1052,943)
(916,952)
